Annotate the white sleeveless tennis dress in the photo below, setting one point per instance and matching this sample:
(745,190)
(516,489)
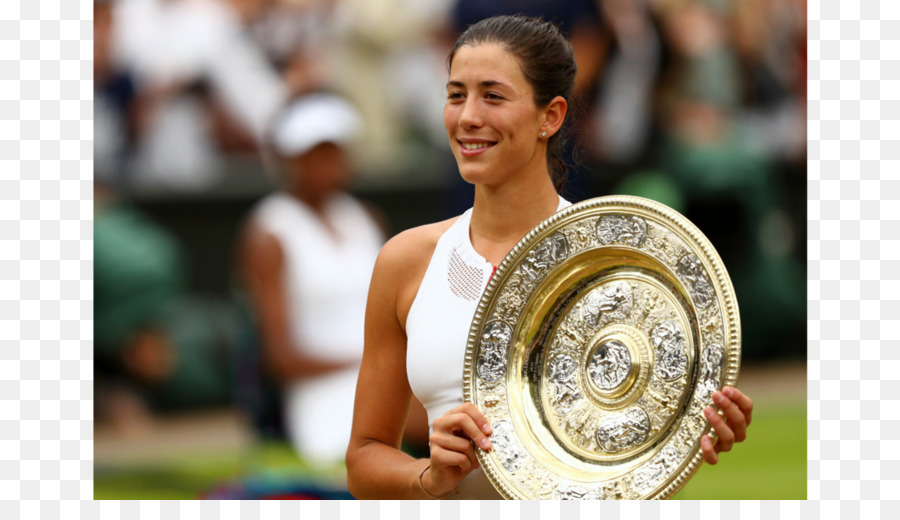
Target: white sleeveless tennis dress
(327,282)
(437,329)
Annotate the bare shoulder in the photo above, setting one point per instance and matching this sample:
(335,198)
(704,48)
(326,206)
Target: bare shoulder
(256,245)
(414,246)
(403,260)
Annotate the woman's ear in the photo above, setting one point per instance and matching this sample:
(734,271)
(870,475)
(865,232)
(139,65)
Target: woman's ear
(554,116)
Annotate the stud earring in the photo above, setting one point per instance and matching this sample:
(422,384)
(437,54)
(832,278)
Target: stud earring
(543,134)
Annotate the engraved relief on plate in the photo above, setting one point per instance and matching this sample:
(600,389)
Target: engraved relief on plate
(550,252)
(668,340)
(711,366)
(510,300)
(495,341)
(691,270)
(652,474)
(505,446)
(609,364)
(580,235)
(575,492)
(624,229)
(564,390)
(619,489)
(607,303)
(624,430)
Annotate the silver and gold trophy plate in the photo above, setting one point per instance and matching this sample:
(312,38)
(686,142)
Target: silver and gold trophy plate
(594,350)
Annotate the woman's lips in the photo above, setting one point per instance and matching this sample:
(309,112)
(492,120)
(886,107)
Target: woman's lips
(473,148)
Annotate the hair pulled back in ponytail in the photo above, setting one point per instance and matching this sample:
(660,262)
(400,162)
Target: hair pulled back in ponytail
(547,62)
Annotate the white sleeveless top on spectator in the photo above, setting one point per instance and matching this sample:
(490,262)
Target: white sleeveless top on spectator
(437,329)
(327,276)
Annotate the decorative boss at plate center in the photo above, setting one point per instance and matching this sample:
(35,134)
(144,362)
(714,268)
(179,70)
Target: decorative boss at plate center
(609,365)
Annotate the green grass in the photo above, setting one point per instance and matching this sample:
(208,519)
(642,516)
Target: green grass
(771,464)
(191,477)
(186,480)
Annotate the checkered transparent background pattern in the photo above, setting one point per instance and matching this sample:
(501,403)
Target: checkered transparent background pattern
(46,366)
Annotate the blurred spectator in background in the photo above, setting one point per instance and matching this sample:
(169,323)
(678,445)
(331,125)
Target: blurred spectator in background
(770,40)
(728,118)
(306,257)
(622,114)
(156,348)
(207,87)
(297,36)
(387,57)
(114,100)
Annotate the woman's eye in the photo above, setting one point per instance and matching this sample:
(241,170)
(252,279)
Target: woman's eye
(455,96)
(493,96)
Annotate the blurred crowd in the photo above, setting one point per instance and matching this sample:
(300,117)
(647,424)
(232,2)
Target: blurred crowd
(699,104)
(181,86)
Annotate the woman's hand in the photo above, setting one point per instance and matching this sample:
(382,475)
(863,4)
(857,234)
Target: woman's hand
(453,442)
(738,410)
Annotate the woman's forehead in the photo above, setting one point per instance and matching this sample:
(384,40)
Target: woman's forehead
(486,62)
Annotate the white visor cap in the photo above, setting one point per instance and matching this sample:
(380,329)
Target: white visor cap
(312,120)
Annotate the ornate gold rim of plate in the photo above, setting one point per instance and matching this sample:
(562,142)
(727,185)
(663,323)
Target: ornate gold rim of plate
(594,350)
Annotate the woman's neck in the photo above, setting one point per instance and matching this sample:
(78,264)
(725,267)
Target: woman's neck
(315,202)
(502,216)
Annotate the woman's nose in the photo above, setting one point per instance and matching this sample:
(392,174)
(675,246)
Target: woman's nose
(470,115)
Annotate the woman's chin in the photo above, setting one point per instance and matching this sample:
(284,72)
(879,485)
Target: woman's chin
(474,175)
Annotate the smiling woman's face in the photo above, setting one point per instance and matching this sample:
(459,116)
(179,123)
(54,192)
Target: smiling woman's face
(491,118)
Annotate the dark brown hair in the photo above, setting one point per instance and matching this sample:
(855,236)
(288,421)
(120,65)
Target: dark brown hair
(547,62)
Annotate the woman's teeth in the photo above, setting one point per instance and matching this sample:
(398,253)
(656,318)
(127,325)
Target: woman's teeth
(475,146)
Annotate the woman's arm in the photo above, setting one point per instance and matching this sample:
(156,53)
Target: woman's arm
(261,261)
(376,467)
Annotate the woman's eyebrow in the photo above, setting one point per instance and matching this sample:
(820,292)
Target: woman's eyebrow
(485,83)
(493,83)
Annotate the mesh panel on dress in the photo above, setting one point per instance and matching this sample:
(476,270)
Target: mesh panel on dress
(465,280)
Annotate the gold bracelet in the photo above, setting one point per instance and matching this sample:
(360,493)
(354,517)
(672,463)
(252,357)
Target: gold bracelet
(419,480)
